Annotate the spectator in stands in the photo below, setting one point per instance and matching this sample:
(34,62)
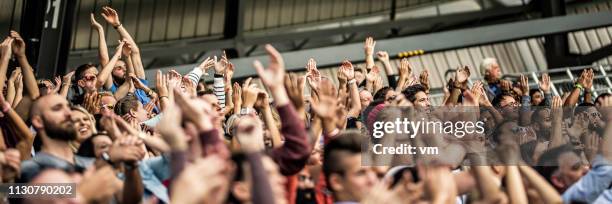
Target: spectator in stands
(51,117)
(348,180)
(490,70)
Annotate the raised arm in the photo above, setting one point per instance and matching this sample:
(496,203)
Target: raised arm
(348,72)
(11,91)
(5,57)
(102,47)
(104,75)
(295,89)
(525,110)
(369,52)
(263,106)
(574,96)
(29,79)
(21,130)
(292,156)
(544,85)
(588,86)
(459,83)
(383,57)
(66,83)
(111,17)
(404,73)
(556,137)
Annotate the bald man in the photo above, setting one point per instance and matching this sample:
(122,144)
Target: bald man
(50,116)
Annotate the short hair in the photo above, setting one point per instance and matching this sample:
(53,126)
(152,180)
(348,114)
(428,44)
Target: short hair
(381,93)
(335,151)
(534,91)
(498,99)
(411,91)
(80,70)
(548,162)
(126,104)
(486,64)
(601,96)
(583,107)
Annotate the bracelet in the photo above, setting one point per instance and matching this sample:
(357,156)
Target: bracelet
(352,81)
(579,86)
(245,111)
(164,97)
(117,26)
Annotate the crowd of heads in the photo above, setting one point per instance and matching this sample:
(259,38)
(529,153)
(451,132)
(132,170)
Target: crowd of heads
(203,138)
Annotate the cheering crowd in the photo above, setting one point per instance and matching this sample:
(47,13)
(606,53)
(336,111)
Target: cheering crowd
(122,139)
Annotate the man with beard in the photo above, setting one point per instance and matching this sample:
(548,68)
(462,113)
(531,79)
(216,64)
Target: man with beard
(50,116)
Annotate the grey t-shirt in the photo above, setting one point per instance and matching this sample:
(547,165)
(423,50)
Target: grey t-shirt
(41,161)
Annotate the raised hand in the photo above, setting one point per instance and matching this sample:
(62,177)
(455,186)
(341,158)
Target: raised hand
(249,133)
(229,68)
(557,103)
(524,85)
(328,101)
(505,85)
(588,82)
(174,79)
(237,95)
(295,89)
(68,77)
(16,73)
(462,74)
(91,102)
(373,74)
(383,56)
(545,83)
(262,101)
(127,149)
(58,84)
(199,112)
(249,93)
(110,15)
(94,23)
(137,83)
(405,70)
(207,64)
(274,75)
(314,79)
(6,49)
(424,79)
(369,45)
(19,45)
(347,70)
(311,65)
(219,66)
(161,84)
